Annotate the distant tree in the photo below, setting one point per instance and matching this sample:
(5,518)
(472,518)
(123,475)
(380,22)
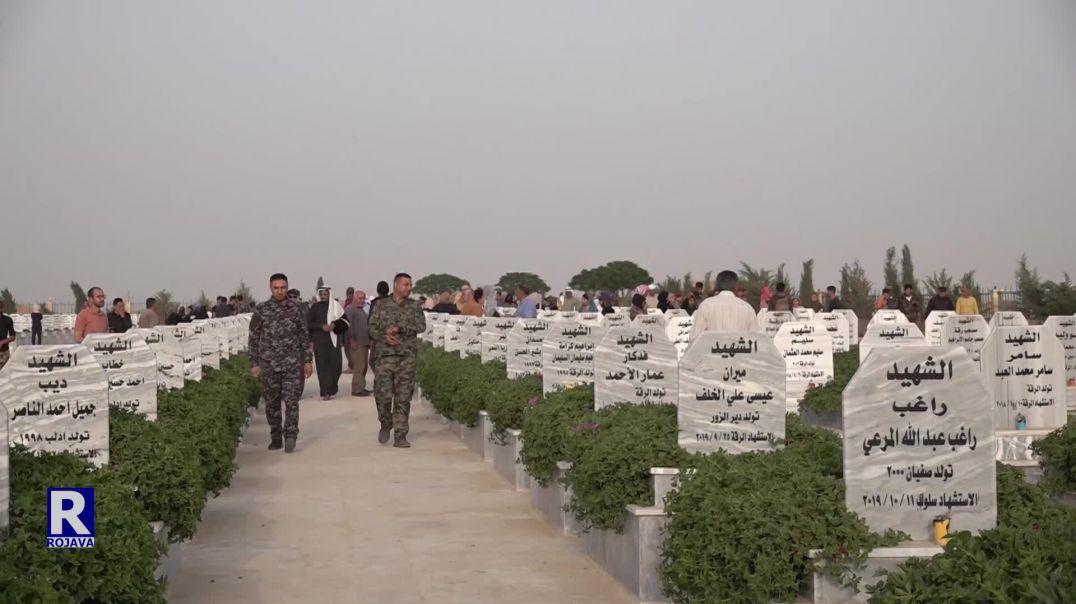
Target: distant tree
(687,283)
(968,280)
(165,306)
(1040,298)
(436,283)
(781,276)
(754,280)
(203,301)
(44,306)
(7,301)
(856,288)
(892,280)
(807,280)
(938,280)
(708,283)
(670,284)
(510,281)
(907,269)
(245,292)
(618,276)
(80,296)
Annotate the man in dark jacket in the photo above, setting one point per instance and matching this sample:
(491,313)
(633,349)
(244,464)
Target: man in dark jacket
(940,301)
(780,300)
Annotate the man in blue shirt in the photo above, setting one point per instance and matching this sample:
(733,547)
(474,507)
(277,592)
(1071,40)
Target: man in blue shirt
(525,306)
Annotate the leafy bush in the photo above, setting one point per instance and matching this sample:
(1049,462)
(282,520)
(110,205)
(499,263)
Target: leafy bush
(457,387)
(120,569)
(819,447)
(507,403)
(1057,456)
(1029,558)
(741,527)
(827,399)
(163,466)
(612,451)
(548,428)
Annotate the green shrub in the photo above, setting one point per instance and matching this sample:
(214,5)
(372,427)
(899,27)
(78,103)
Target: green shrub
(740,528)
(458,388)
(121,567)
(164,468)
(1057,456)
(827,399)
(819,447)
(1029,558)
(507,403)
(612,451)
(548,427)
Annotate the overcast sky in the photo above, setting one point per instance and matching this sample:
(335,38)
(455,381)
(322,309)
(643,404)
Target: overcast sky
(189,145)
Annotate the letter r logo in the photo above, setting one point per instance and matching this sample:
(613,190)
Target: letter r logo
(70,512)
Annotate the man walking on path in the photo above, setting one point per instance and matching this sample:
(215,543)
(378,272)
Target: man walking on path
(395,325)
(348,300)
(280,355)
(358,342)
(325,326)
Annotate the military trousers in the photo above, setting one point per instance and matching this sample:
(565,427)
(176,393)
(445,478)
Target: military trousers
(394,383)
(282,389)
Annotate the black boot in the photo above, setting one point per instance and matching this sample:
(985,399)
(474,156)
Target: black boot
(276,443)
(383,434)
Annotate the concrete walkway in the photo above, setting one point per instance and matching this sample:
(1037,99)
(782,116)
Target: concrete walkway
(346,520)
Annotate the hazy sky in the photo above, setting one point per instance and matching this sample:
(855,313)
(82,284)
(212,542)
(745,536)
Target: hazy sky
(189,145)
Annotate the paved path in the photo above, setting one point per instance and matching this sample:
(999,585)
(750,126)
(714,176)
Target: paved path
(346,520)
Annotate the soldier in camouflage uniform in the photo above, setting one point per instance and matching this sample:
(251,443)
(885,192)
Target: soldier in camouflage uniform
(395,325)
(281,356)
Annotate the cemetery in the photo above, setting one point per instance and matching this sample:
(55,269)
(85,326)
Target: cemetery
(910,471)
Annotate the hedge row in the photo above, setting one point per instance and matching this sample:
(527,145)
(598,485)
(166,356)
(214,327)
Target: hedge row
(159,470)
(741,526)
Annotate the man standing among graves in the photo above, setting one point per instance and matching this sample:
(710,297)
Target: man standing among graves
(118,320)
(149,317)
(280,355)
(222,309)
(92,318)
(7,336)
(909,304)
(940,301)
(780,300)
(325,326)
(358,342)
(526,307)
(725,311)
(395,324)
(468,305)
(833,303)
(966,304)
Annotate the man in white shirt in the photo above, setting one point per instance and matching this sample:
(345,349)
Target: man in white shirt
(724,312)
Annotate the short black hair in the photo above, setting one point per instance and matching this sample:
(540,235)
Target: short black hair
(727,281)
(293,292)
(399,276)
(150,302)
(943,288)
(885,290)
(638,300)
(278,277)
(908,286)
(779,287)
(117,301)
(523,288)
(699,284)
(89,293)
(382,288)
(221,299)
(831,289)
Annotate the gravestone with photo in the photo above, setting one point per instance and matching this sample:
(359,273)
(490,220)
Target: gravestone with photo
(919,442)
(732,394)
(635,364)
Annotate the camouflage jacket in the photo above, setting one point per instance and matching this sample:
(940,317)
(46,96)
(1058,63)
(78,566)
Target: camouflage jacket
(407,316)
(279,339)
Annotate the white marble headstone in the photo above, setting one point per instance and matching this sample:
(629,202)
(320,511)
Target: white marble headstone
(935,324)
(635,364)
(592,318)
(675,312)
(525,347)
(1007,318)
(182,338)
(1024,368)
(56,399)
(207,340)
(919,442)
(1064,328)
(770,322)
(656,318)
(732,394)
(892,335)
(454,333)
(494,339)
(617,319)
(471,336)
(853,325)
(888,317)
(837,328)
(678,331)
(808,352)
(969,331)
(131,368)
(568,355)
(549,315)
(169,357)
(506,311)
(803,314)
